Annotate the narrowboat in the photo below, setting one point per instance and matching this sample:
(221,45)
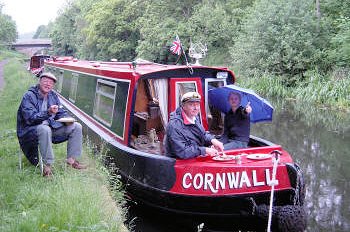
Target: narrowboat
(36,64)
(127,105)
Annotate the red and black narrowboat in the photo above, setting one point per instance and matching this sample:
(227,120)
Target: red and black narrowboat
(36,64)
(127,104)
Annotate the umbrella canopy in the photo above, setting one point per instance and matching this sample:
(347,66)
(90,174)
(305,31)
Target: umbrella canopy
(262,110)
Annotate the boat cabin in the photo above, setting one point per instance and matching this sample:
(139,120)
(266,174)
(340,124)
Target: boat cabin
(37,63)
(132,101)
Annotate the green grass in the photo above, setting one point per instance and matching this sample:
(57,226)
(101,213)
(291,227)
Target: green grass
(71,201)
(330,91)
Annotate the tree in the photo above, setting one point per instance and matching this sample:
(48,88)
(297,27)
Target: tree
(160,23)
(64,32)
(216,23)
(278,37)
(340,44)
(42,31)
(8,29)
(336,16)
(112,31)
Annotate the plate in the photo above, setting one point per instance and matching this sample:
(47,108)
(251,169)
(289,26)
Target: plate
(66,120)
(224,157)
(259,156)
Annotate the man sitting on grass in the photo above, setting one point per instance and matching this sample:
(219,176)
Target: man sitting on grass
(37,124)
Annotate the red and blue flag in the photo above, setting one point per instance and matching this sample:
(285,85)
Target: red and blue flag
(176,46)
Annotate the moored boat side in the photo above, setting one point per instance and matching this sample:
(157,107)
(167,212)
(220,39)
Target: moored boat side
(127,105)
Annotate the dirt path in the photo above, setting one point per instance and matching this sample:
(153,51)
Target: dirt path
(2,80)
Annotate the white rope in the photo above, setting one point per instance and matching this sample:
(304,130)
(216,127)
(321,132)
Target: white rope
(275,160)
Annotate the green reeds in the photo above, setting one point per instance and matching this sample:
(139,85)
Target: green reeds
(331,91)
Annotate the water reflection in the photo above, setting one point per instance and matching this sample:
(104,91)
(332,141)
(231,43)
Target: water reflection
(318,139)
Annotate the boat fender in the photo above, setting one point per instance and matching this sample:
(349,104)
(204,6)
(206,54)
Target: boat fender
(289,218)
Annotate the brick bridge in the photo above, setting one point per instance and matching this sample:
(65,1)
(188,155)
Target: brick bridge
(31,46)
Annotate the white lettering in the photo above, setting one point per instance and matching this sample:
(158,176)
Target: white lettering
(220,180)
(233,179)
(255,180)
(208,179)
(268,177)
(184,182)
(244,180)
(226,180)
(198,178)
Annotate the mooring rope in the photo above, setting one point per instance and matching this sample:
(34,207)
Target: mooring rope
(275,160)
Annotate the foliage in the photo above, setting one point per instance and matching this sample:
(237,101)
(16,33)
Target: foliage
(279,41)
(160,23)
(325,90)
(43,31)
(70,201)
(8,30)
(64,31)
(219,24)
(112,30)
(277,37)
(340,52)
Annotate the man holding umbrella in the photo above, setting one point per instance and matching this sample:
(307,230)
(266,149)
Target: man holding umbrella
(236,123)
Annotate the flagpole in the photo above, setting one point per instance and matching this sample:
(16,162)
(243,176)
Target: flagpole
(183,52)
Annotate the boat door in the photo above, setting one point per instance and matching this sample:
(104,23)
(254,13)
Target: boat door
(180,86)
(215,118)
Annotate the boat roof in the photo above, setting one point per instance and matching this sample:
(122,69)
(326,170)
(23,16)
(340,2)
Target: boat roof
(141,67)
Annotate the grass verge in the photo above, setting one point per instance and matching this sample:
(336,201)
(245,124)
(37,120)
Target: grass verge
(331,91)
(71,201)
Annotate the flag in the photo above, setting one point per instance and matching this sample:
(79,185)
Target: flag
(176,46)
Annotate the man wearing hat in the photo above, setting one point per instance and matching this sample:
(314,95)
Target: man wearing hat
(37,125)
(185,135)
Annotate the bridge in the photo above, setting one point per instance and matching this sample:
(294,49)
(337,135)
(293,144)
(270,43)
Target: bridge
(32,46)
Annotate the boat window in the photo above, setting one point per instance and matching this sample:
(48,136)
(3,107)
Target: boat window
(35,62)
(73,87)
(214,116)
(104,101)
(150,115)
(60,81)
(182,88)
(158,89)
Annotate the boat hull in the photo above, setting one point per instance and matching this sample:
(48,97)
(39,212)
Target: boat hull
(148,180)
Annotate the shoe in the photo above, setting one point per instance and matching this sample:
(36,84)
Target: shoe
(76,165)
(47,172)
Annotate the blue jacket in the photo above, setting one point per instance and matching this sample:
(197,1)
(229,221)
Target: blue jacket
(183,140)
(29,116)
(236,126)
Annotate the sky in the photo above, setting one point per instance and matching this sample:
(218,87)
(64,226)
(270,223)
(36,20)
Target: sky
(30,14)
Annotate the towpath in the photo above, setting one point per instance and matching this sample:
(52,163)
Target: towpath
(2,80)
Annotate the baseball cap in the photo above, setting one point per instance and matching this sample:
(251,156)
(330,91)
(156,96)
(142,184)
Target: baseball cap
(48,75)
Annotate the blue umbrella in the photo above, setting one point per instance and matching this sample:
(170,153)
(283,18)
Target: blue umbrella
(262,110)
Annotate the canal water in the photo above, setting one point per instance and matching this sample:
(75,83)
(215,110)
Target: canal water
(319,141)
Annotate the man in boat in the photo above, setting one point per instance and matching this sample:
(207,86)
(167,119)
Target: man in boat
(185,135)
(236,123)
(37,125)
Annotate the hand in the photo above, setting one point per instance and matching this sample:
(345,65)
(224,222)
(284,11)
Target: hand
(211,151)
(219,146)
(53,109)
(248,108)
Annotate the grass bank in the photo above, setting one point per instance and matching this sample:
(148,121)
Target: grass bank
(71,201)
(330,91)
